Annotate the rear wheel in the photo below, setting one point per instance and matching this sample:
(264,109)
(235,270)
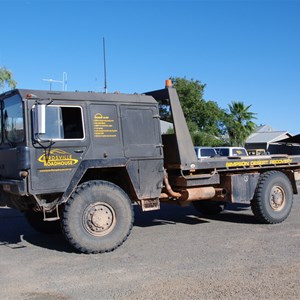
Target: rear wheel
(98,217)
(209,207)
(273,199)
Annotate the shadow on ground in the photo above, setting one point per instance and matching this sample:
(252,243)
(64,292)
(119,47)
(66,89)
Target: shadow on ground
(172,214)
(15,231)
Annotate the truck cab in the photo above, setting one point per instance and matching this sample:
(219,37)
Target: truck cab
(51,141)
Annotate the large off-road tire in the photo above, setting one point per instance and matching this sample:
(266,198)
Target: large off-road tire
(36,221)
(207,207)
(273,198)
(98,217)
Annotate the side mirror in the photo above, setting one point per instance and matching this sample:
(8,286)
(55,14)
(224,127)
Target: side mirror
(41,119)
(39,122)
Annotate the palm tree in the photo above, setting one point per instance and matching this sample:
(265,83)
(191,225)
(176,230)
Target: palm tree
(239,123)
(6,78)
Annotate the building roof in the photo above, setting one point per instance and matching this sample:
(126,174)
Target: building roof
(264,128)
(291,140)
(266,134)
(268,137)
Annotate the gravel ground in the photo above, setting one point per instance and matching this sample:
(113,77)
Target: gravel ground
(174,253)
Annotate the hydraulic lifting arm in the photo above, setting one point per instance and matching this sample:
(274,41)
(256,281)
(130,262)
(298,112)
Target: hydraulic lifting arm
(178,147)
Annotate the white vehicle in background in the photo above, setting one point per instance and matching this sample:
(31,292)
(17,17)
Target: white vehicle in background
(257,152)
(205,152)
(231,151)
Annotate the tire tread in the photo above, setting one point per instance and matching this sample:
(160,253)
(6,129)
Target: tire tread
(66,230)
(257,206)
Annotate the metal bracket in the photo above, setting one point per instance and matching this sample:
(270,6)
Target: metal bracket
(55,218)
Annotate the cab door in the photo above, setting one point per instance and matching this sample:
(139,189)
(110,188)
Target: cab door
(59,150)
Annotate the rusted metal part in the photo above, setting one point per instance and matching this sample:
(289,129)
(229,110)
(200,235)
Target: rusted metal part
(168,188)
(164,196)
(221,194)
(200,193)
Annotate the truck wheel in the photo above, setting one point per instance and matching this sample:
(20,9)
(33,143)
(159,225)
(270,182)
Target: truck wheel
(273,198)
(209,207)
(35,220)
(98,217)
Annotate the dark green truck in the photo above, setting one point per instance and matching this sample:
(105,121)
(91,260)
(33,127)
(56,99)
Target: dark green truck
(78,161)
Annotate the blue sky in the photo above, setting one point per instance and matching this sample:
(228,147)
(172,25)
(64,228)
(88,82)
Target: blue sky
(242,50)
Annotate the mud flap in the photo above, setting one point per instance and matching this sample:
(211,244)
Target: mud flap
(150,204)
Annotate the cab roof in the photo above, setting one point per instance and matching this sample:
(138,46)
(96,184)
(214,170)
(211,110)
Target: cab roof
(80,96)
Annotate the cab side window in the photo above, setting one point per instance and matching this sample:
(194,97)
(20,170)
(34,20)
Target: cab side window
(72,123)
(63,122)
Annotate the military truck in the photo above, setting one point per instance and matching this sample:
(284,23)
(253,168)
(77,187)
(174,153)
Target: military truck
(77,162)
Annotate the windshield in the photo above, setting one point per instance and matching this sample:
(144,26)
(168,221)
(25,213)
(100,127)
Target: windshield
(223,151)
(13,119)
(208,152)
(239,151)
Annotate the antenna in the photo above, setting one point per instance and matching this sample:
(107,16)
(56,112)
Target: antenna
(104,58)
(63,82)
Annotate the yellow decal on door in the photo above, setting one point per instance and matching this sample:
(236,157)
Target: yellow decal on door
(57,157)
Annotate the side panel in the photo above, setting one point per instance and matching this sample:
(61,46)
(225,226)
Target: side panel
(142,146)
(141,131)
(146,177)
(240,187)
(125,136)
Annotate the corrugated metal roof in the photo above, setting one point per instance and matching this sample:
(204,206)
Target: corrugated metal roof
(267,137)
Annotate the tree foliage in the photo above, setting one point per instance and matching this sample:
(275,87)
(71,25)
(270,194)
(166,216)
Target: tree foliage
(209,124)
(239,123)
(204,118)
(6,79)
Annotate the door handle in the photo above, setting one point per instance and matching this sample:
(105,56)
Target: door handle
(78,151)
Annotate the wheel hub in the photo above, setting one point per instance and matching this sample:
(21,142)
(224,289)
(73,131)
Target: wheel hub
(99,219)
(277,199)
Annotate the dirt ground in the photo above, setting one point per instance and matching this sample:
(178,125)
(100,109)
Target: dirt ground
(174,253)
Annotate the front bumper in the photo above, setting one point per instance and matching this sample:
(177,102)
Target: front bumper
(16,187)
